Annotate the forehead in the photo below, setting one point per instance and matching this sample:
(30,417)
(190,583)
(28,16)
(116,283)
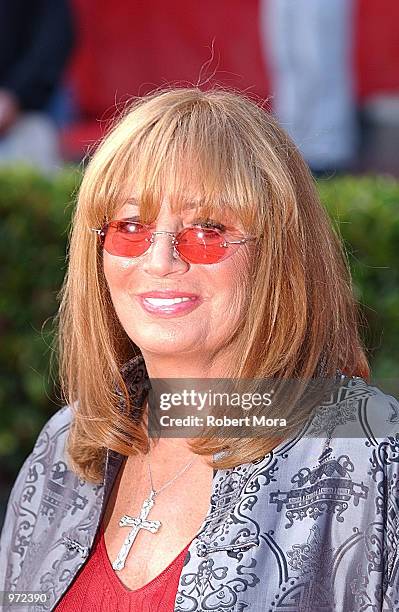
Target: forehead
(186,208)
(165,202)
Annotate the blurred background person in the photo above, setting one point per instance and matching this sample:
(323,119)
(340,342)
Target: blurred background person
(36,39)
(326,68)
(308,44)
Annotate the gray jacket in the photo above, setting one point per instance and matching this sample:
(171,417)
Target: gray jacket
(312,526)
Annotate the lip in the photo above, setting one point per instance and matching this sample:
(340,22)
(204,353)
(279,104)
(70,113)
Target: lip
(171,310)
(168,293)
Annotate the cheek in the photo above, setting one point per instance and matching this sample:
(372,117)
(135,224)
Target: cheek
(231,284)
(120,274)
(117,270)
(237,274)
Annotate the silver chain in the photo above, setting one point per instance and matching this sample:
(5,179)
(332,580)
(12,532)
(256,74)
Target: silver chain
(169,482)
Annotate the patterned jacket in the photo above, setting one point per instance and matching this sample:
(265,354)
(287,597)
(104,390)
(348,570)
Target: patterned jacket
(311,526)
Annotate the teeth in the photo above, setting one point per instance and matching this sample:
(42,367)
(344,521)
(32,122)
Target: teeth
(166,301)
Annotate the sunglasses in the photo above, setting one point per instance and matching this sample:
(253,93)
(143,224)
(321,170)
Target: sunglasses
(197,244)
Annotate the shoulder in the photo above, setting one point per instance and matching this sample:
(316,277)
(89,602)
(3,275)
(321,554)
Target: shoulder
(58,422)
(348,448)
(48,501)
(356,472)
(49,445)
(26,494)
(356,409)
(55,431)
(382,409)
(383,404)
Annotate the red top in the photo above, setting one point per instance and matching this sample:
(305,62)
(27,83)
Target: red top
(97,587)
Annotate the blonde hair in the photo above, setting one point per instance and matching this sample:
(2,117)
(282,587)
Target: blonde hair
(219,149)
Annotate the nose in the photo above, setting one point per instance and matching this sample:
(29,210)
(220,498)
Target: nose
(162,258)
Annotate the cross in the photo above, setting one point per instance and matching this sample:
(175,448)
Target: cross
(138,522)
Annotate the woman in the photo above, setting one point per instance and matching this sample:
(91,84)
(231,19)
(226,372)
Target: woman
(200,250)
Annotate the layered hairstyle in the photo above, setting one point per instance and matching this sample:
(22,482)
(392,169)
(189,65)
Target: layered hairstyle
(219,149)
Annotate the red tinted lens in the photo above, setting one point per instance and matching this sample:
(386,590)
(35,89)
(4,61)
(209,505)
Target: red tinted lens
(126,239)
(203,245)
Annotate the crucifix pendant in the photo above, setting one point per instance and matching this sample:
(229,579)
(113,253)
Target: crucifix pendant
(137,522)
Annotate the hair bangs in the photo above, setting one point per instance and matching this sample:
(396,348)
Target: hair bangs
(194,161)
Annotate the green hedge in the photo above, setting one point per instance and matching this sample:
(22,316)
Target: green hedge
(365,211)
(35,215)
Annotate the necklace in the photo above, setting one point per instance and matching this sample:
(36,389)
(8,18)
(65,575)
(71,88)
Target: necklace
(141,522)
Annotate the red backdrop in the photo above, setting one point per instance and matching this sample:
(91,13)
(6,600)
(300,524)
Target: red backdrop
(128,48)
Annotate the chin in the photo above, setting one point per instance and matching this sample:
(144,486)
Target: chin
(166,341)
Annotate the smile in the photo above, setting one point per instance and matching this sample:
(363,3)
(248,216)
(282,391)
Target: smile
(166,306)
(166,301)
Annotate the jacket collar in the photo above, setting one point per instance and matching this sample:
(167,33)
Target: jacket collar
(136,379)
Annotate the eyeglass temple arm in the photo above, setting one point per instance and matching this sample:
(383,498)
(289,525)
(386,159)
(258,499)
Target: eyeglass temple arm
(241,241)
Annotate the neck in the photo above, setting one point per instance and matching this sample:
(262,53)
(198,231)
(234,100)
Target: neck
(189,365)
(198,366)
(166,450)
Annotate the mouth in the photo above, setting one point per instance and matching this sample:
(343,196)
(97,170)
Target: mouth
(169,303)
